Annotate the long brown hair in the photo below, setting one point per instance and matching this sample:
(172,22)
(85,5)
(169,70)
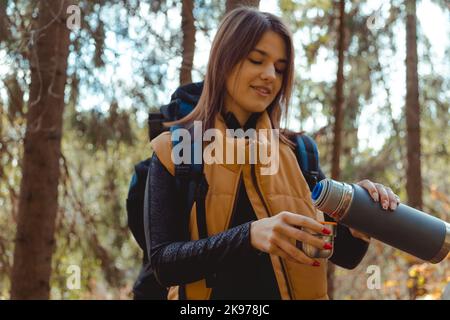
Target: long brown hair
(237,35)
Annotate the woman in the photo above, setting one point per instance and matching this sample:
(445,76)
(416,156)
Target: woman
(253,220)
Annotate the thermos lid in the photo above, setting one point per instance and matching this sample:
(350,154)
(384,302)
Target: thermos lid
(317,191)
(332,197)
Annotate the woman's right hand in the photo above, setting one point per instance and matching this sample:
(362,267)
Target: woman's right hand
(274,236)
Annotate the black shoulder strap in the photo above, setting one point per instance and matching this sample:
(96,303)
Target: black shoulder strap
(308,158)
(135,202)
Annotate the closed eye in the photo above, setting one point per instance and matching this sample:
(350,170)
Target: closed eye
(260,62)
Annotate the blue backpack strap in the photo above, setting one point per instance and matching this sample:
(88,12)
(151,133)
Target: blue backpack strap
(308,158)
(192,185)
(184,108)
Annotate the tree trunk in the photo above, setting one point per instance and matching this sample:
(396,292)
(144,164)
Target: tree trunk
(188,47)
(338,120)
(413,171)
(42,148)
(232,4)
(339,102)
(4,30)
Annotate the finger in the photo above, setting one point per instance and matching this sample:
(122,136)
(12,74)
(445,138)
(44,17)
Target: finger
(398,199)
(384,198)
(371,188)
(303,221)
(276,250)
(304,236)
(393,199)
(294,252)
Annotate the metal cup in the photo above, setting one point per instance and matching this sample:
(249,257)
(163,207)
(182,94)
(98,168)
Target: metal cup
(314,252)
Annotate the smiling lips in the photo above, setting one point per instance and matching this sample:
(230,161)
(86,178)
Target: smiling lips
(263,91)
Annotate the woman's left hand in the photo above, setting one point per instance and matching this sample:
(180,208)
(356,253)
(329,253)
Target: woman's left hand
(379,193)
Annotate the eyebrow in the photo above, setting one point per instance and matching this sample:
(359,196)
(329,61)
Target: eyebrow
(266,54)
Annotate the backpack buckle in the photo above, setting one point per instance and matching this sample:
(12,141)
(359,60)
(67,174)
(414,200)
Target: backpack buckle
(314,174)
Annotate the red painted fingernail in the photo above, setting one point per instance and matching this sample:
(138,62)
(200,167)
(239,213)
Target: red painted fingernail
(316,264)
(326,231)
(328,246)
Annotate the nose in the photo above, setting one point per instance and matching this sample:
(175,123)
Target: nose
(269,73)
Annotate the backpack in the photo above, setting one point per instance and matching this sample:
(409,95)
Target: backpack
(190,182)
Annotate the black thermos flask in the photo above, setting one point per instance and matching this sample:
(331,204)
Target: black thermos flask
(415,232)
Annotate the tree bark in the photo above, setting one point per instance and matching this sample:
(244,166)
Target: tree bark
(338,121)
(233,4)
(413,170)
(4,30)
(339,102)
(38,203)
(188,46)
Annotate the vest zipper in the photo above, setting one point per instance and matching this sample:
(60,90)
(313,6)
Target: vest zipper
(283,268)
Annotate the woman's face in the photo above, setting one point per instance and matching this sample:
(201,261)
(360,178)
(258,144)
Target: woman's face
(260,78)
